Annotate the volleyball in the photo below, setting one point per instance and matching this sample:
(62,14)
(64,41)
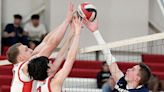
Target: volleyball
(87,10)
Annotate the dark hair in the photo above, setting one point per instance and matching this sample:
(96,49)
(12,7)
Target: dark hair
(36,42)
(38,67)
(145,73)
(35,16)
(12,53)
(103,63)
(17,16)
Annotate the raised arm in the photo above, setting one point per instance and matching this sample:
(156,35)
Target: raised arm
(57,81)
(110,59)
(51,41)
(62,53)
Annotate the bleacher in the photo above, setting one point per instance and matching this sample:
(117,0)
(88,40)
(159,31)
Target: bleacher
(83,75)
(156,64)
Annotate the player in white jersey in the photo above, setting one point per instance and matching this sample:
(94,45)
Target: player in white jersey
(19,55)
(42,66)
(44,86)
(23,83)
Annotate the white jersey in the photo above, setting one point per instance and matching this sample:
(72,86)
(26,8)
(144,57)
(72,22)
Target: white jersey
(21,82)
(44,86)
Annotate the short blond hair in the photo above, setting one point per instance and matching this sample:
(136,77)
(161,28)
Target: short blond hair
(12,53)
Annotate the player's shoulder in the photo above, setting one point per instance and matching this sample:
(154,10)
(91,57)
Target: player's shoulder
(16,66)
(144,89)
(122,80)
(140,89)
(121,83)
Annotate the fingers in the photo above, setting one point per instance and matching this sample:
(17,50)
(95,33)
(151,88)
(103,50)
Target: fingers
(86,21)
(74,11)
(77,23)
(70,6)
(72,25)
(78,20)
(80,23)
(70,11)
(72,28)
(75,20)
(73,7)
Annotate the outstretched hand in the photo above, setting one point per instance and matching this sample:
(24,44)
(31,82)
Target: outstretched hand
(70,11)
(92,26)
(77,24)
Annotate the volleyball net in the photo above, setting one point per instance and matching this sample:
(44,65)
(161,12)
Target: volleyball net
(148,49)
(128,52)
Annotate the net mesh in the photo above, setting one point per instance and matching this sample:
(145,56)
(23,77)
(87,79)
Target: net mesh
(87,65)
(83,75)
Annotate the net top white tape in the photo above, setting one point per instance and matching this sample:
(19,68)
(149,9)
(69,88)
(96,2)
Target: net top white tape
(125,42)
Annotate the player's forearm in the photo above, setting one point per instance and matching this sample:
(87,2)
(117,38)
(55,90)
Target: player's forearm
(62,29)
(65,46)
(115,71)
(63,73)
(49,34)
(61,54)
(110,59)
(44,42)
(57,36)
(74,47)
(113,67)
(53,41)
(71,56)
(107,53)
(98,37)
